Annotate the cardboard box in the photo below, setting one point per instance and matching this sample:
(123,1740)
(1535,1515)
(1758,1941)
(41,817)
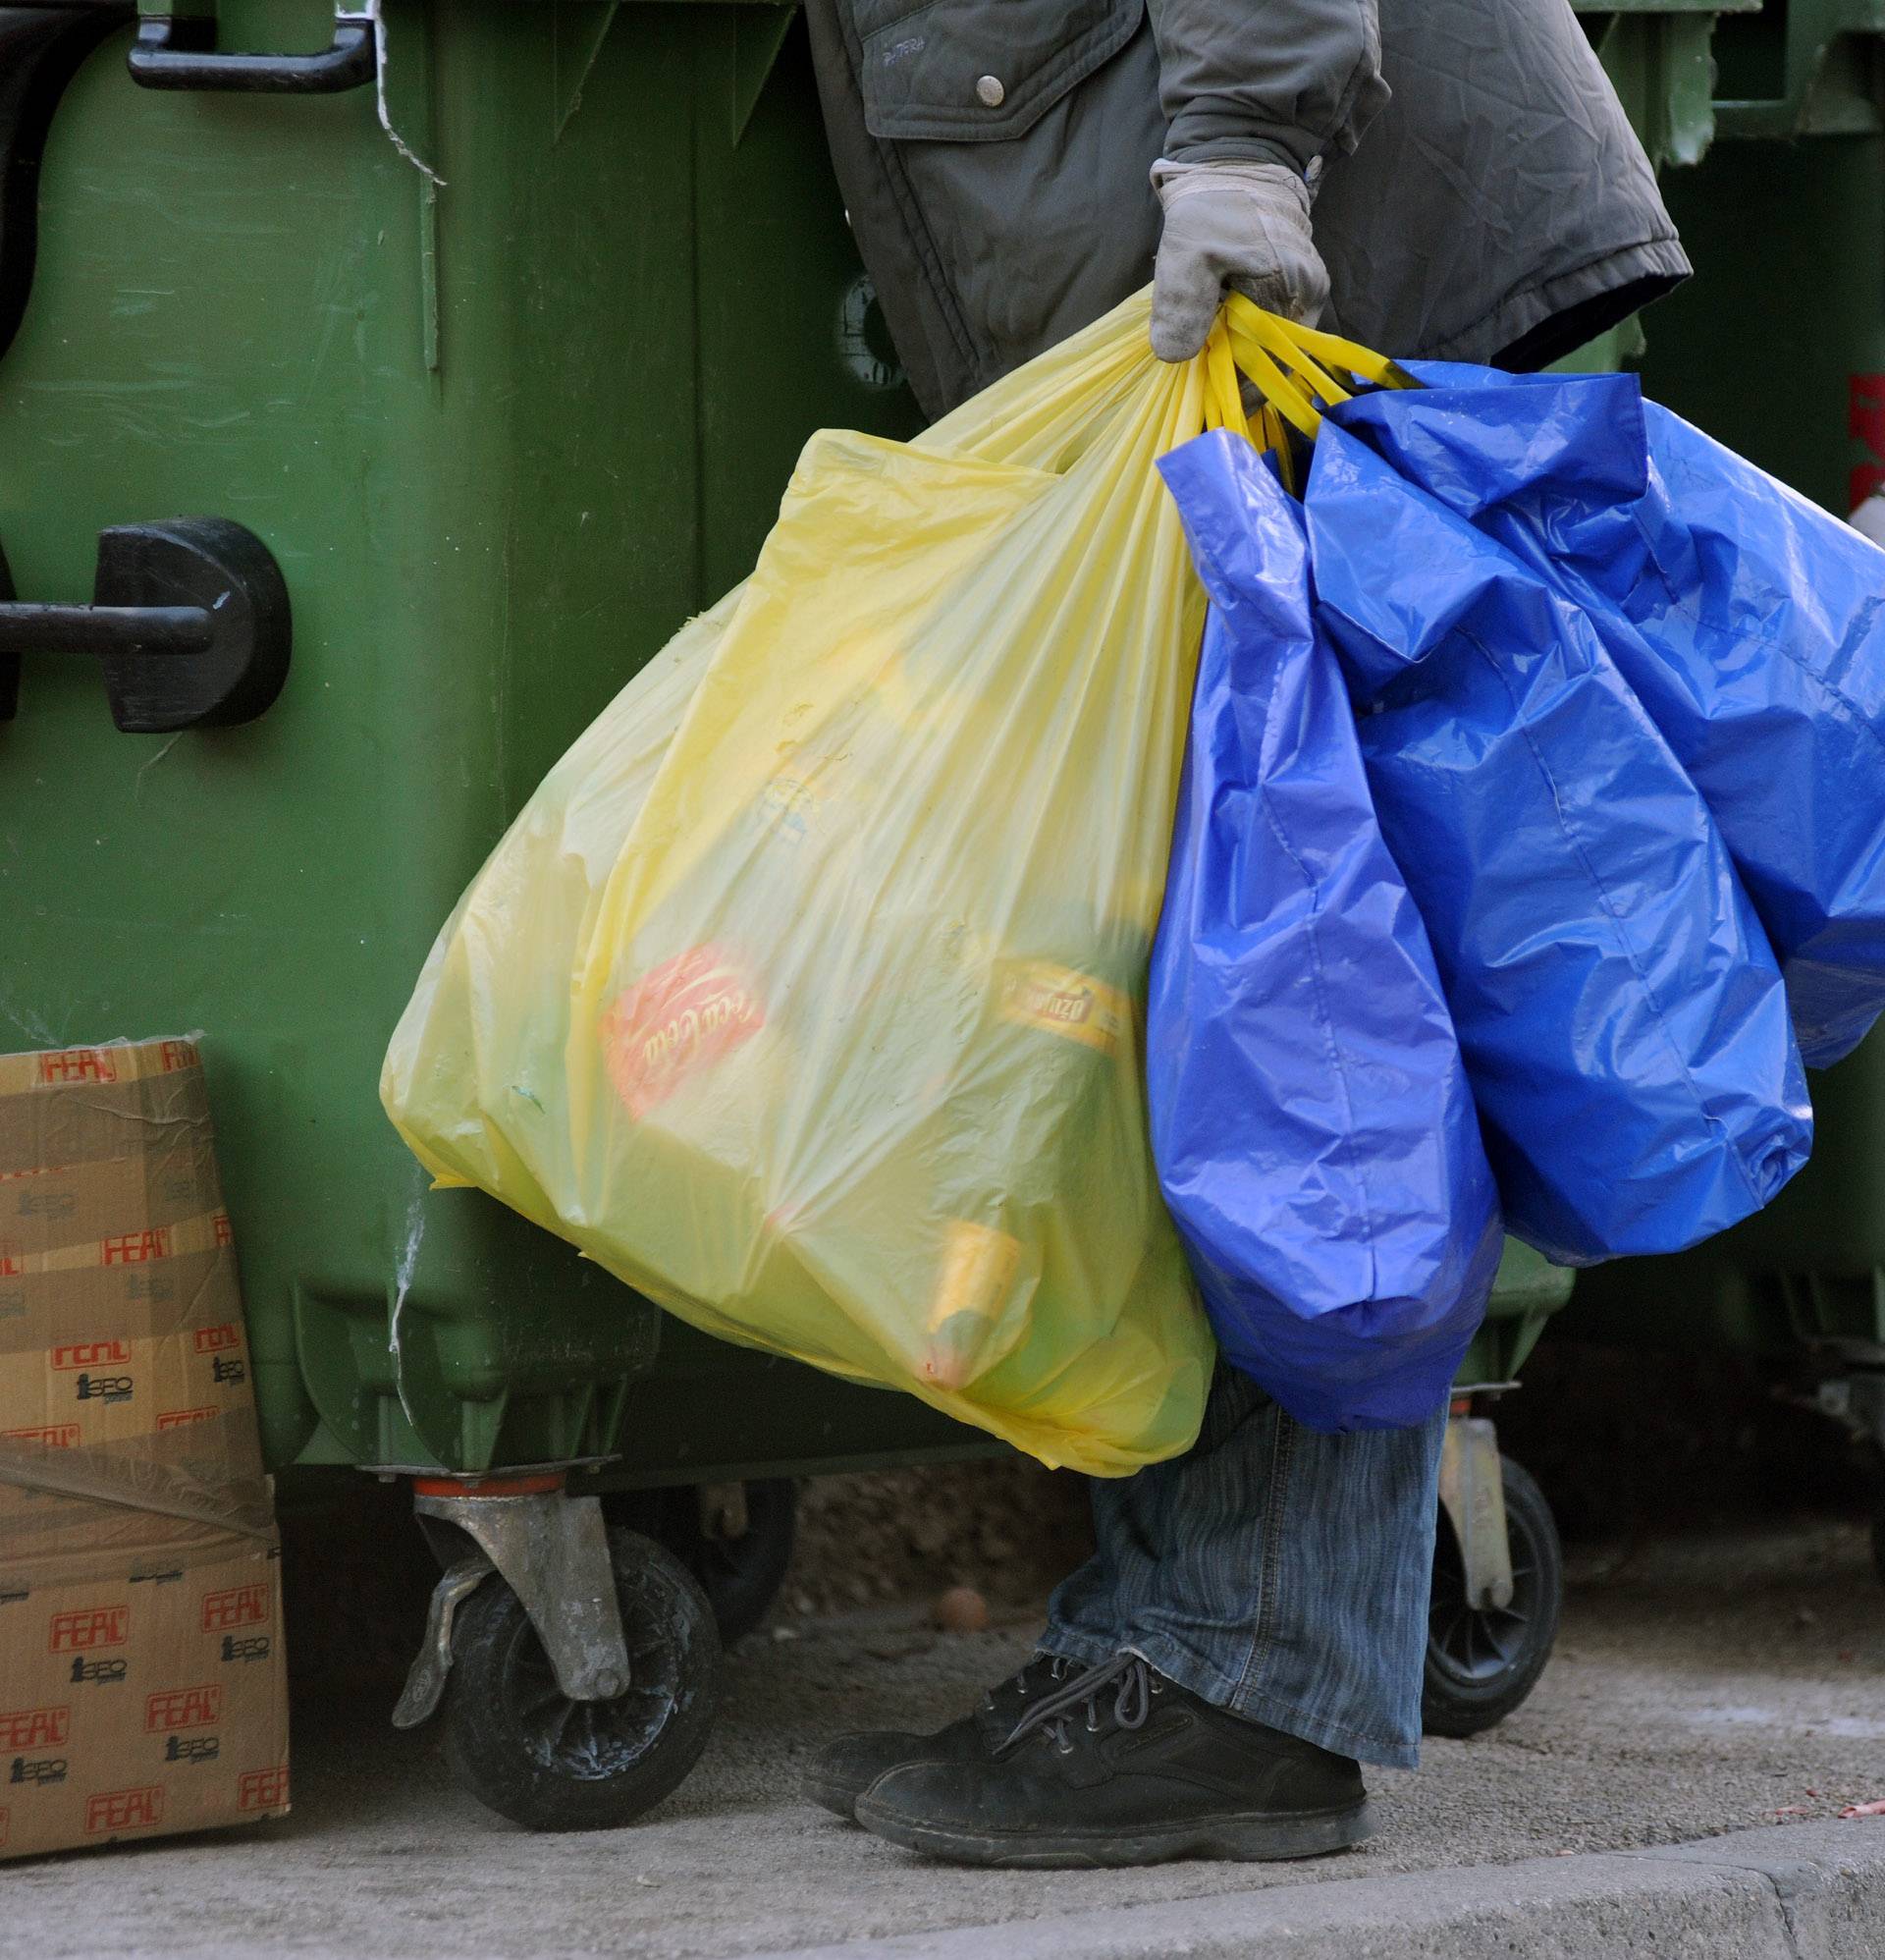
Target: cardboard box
(142,1686)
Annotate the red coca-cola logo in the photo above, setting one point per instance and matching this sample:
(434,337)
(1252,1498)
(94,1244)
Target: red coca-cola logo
(688,1013)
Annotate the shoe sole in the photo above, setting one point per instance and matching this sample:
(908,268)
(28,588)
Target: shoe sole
(840,1798)
(1253,1837)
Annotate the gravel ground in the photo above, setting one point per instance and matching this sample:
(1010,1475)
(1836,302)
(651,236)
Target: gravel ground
(1706,1682)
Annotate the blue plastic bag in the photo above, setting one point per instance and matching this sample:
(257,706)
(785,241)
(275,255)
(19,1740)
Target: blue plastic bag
(1749,622)
(1310,1121)
(1623,1021)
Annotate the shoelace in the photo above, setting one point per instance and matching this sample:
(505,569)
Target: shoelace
(1133,1683)
(1056,1668)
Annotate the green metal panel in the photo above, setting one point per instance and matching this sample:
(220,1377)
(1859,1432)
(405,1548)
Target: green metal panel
(1801,68)
(1690,70)
(1787,307)
(503,437)
(1528,1291)
(1658,61)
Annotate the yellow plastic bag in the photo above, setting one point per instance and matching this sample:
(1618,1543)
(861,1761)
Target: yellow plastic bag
(806,995)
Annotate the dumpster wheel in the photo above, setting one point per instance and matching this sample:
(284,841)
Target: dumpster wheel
(740,1571)
(1482,1661)
(543,1759)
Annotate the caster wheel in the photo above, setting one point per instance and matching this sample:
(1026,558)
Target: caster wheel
(740,1576)
(523,1747)
(1483,1661)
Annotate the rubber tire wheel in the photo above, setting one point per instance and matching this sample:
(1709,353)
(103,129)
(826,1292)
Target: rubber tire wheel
(740,1576)
(1481,1663)
(522,1746)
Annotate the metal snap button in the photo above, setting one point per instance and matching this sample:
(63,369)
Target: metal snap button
(989,93)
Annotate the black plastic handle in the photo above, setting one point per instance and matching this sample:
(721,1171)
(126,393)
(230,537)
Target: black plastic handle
(104,632)
(189,626)
(178,51)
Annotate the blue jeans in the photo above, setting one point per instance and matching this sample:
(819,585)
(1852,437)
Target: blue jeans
(1278,1573)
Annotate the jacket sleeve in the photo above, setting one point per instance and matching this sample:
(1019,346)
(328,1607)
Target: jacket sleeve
(1267,81)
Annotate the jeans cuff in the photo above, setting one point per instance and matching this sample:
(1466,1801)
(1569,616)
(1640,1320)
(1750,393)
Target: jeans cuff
(1180,1664)
(1069,1643)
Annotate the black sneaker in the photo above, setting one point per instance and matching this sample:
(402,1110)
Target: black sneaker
(844,1770)
(1120,1766)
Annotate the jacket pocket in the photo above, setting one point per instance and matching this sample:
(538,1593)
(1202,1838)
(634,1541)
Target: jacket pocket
(981,71)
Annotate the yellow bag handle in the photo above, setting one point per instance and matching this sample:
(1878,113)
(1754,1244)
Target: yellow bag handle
(1350,355)
(1224,404)
(1223,392)
(1278,389)
(1273,334)
(1293,366)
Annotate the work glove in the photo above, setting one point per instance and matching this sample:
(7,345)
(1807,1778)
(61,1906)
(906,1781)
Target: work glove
(1241,225)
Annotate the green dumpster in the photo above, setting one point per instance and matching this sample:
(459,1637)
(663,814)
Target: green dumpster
(501,435)
(501,403)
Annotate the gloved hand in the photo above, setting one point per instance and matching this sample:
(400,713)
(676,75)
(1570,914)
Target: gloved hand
(1241,225)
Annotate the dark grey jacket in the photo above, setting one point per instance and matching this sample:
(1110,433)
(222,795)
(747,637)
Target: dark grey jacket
(1479,193)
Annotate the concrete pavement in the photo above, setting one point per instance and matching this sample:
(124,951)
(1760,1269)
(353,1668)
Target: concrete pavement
(1797,1893)
(1672,1788)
